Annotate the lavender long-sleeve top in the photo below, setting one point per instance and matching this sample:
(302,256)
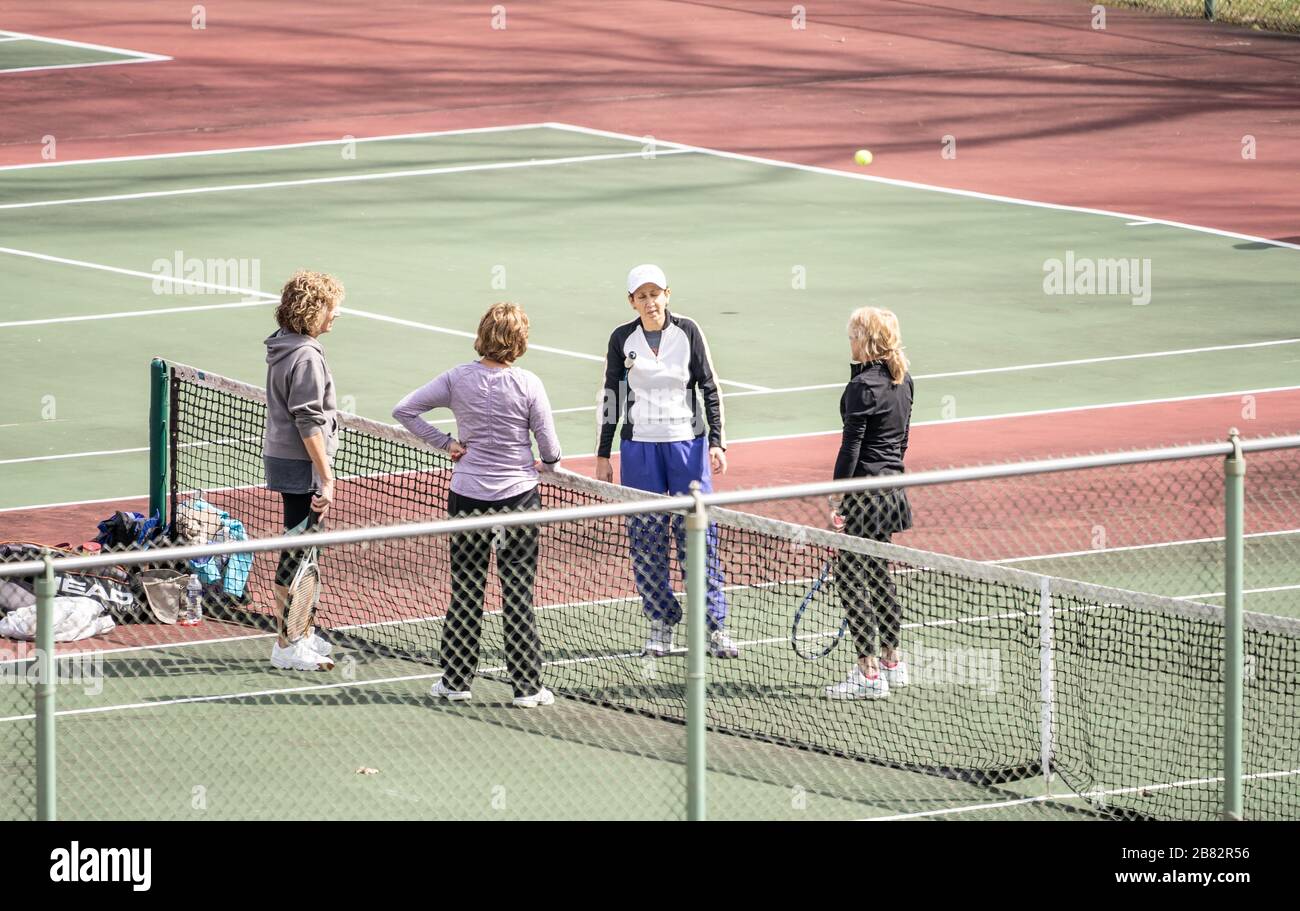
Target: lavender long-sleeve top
(495,409)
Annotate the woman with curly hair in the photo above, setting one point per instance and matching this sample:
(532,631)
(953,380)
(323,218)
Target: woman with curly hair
(500,409)
(301,437)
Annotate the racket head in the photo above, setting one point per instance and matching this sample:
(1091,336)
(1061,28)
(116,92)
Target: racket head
(304,592)
(820,621)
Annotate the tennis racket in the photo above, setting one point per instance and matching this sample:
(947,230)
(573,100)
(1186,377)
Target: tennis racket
(820,621)
(304,591)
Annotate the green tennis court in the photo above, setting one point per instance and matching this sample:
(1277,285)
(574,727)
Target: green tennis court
(425,231)
(1183,570)
(220,735)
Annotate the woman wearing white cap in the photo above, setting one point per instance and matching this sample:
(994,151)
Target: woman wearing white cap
(653,368)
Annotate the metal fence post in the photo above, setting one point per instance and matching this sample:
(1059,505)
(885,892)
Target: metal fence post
(697,580)
(1209,9)
(45,681)
(159,411)
(1234,470)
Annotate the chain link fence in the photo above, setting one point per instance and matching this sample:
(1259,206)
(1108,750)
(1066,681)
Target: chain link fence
(1022,641)
(1041,646)
(162,717)
(1154,526)
(1271,15)
(17,712)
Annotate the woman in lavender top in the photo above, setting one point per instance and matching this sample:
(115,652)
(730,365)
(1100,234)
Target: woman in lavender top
(496,406)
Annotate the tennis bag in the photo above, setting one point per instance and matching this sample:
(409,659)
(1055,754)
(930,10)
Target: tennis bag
(131,529)
(110,586)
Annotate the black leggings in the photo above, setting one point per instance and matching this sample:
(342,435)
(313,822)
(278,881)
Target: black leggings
(866,588)
(517,568)
(297,506)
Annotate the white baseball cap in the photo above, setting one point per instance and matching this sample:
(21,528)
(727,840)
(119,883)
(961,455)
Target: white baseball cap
(645,273)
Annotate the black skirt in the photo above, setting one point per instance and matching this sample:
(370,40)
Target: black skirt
(877,514)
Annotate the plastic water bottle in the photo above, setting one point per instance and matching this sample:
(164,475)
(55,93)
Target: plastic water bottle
(192,609)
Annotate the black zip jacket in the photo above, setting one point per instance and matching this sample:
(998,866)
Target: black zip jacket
(876,416)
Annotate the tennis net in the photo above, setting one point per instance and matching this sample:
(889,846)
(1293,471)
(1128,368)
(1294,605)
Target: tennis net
(1117,694)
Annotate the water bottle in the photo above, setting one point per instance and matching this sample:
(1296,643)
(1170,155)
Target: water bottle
(192,609)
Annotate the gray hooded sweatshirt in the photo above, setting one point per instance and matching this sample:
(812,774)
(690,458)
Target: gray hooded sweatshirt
(299,398)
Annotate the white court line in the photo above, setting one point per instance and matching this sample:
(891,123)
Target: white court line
(1046,365)
(136,273)
(598,358)
(143,55)
(1026,414)
(972,194)
(127,314)
(73,455)
(1088,795)
(640,140)
(124,497)
(264,296)
(271,148)
(769,439)
(339,178)
(982,371)
(1128,547)
(459,333)
(76,66)
(250,694)
(1244,591)
(753,390)
(750,388)
(184,700)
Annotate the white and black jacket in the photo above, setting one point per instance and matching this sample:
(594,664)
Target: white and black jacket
(654,395)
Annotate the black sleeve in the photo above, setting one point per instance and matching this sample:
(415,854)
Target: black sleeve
(858,404)
(610,407)
(907,418)
(702,375)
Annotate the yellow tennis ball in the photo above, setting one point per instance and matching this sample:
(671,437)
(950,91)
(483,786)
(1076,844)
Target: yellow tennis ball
(862,157)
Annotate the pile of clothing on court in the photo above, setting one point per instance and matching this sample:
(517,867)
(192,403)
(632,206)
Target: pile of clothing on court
(92,602)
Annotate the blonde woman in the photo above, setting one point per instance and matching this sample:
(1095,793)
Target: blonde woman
(496,405)
(301,436)
(876,409)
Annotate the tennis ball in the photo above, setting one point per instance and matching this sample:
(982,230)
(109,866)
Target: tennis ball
(862,157)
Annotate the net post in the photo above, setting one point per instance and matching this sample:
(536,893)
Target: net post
(697,525)
(159,414)
(45,680)
(1209,9)
(1234,470)
(1045,683)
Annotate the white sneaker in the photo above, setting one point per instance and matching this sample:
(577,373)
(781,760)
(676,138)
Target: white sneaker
(858,686)
(660,641)
(541,697)
(299,657)
(896,675)
(721,646)
(317,643)
(440,690)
